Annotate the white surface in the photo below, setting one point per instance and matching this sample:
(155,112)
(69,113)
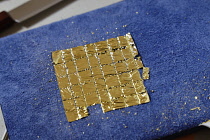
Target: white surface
(63,10)
(207,124)
(31,8)
(3,129)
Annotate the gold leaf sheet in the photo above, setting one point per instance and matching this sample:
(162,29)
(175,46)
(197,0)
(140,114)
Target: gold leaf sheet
(103,73)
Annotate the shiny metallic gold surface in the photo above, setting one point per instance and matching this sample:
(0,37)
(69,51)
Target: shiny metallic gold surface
(145,73)
(103,73)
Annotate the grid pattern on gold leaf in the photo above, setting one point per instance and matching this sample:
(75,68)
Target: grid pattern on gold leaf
(103,73)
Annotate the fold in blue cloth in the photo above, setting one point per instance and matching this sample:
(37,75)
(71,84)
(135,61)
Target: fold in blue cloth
(173,38)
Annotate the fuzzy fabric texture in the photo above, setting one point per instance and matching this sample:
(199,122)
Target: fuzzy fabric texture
(173,39)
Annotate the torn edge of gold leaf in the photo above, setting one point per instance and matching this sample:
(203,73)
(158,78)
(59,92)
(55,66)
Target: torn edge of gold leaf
(105,72)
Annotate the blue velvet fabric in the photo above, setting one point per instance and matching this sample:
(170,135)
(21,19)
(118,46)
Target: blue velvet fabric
(173,38)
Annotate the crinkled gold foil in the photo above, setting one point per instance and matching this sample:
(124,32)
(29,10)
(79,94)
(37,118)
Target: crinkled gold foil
(103,73)
(145,73)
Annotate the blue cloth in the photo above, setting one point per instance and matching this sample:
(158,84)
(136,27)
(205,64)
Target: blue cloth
(173,38)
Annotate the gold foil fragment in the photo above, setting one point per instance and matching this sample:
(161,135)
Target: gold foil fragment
(195,108)
(103,73)
(145,73)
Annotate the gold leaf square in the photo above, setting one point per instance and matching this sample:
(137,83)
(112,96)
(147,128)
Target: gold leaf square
(104,72)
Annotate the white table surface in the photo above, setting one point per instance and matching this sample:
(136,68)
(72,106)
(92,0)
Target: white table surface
(63,10)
